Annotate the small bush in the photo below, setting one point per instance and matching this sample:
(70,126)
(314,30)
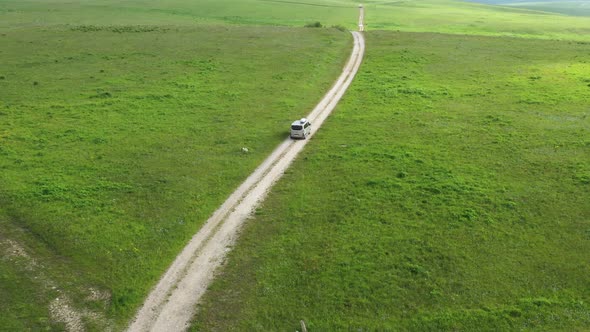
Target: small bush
(102,95)
(340,27)
(314,25)
(117,28)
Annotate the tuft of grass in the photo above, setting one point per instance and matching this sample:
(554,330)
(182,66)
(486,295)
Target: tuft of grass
(432,199)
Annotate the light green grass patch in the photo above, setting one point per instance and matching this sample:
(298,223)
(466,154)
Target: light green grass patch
(457,17)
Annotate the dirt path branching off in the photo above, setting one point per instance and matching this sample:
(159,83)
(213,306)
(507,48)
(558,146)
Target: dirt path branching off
(61,308)
(170,305)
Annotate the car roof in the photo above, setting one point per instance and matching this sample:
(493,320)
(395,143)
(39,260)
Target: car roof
(299,122)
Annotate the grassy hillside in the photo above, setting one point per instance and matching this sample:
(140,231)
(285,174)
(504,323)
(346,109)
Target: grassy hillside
(447,16)
(117,143)
(449,191)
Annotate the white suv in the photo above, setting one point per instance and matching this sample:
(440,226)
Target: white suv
(300,128)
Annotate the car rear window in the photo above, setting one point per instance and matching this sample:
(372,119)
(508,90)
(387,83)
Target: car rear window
(296,127)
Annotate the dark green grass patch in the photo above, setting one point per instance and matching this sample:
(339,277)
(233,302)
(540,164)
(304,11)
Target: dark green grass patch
(447,192)
(117,144)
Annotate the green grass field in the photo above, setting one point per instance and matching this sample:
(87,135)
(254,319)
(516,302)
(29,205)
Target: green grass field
(449,191)
(121,128)
(116,146)
(445,16)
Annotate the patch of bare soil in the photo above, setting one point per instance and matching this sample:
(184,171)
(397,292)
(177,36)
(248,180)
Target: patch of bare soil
(61,309)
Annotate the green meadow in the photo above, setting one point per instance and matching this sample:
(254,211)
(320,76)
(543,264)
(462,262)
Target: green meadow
(448,191)
(117,143)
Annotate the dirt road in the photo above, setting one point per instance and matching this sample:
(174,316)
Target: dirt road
(170,305)
(361,18)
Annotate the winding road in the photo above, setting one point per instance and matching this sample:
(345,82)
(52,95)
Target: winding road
(171,303)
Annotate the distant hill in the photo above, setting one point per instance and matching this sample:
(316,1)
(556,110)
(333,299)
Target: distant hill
(568,7)
(515,2)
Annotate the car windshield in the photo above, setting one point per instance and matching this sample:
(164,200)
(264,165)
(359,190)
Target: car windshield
(296,127)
